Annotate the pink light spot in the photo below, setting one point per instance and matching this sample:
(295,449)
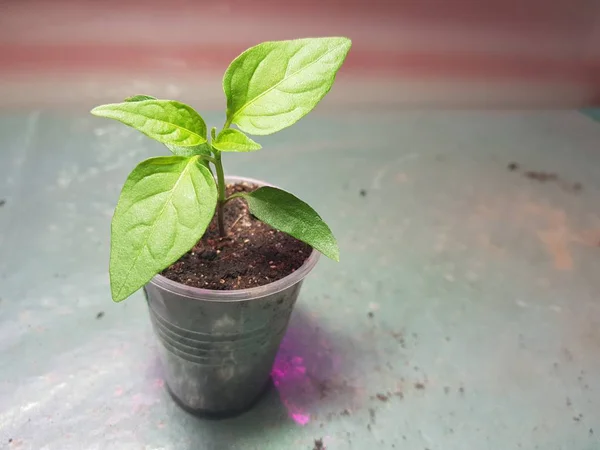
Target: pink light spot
(301,419)
(289,376)
(158,383)
(277,373)
(118,391)
(306,369)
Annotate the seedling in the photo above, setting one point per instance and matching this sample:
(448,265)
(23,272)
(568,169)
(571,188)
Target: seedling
(167,202)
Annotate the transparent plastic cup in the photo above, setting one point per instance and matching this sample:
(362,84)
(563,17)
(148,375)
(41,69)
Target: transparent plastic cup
(217,348)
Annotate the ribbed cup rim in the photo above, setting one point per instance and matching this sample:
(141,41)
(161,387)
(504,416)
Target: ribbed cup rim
(214,295)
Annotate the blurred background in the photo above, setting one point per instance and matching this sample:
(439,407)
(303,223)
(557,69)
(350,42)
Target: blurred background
(450,53)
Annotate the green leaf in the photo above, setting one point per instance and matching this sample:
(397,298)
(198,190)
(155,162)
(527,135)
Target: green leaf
(274,84)
(289,214)
(232,140)
(166,121)
(139,98)
(202,149)
(164,209)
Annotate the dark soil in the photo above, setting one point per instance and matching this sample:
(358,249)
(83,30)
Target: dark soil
(419,386)
(253,254)
(2,202)
(100,315)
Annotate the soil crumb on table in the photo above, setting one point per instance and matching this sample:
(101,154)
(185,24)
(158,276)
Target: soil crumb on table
(319,445)
(382,397)
(252,254)
(541,176)
(544,177)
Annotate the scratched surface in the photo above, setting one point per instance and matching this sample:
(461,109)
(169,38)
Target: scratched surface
(465,313)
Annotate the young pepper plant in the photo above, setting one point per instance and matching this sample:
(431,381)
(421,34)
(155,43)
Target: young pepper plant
(167,202)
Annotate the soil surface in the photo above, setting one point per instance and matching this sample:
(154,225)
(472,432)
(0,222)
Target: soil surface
(253,253)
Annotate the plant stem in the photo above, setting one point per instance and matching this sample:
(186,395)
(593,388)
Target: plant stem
(208,158)
(221,194)
(221,199)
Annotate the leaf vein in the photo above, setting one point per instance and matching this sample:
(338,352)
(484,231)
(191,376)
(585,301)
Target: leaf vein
(138,200)
(180,128)
(278,113)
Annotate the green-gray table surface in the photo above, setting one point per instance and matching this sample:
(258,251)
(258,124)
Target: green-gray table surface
(483,285)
